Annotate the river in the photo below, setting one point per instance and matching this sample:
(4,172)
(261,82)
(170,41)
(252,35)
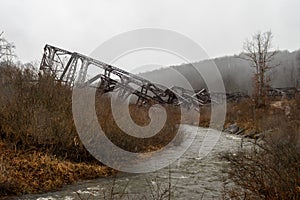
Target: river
(190,177)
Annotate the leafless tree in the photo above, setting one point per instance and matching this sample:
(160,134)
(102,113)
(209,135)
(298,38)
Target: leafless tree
(259,52)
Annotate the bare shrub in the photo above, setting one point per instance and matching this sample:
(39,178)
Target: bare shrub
(269,170)
(36,112)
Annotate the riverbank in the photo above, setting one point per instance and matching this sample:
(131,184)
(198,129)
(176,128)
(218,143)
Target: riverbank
(246,120)
(188,178)
(32,171)
(40,148)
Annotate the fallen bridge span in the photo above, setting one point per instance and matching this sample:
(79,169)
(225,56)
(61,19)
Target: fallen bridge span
(71,69)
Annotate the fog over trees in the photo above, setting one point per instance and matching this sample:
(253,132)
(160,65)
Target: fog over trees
(237,73)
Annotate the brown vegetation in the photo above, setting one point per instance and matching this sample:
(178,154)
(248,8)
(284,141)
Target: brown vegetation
(270,117)
(40,148)
(25,172)
(140,116)
(270,170)
(36,112)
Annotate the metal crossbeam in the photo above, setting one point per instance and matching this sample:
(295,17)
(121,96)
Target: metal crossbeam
(71,68)
(289,92)
(6,49)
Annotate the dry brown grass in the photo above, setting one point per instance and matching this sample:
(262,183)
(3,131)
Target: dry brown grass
(257,120)
(25,172)
(140,115)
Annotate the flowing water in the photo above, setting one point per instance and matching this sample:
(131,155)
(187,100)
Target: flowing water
(190,177)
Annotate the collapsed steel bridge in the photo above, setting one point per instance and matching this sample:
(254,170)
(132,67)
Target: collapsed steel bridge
(71,68)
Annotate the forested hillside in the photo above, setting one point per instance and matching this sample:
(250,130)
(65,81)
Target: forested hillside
(237,73)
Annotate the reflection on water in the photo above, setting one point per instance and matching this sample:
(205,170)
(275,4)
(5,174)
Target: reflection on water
(190,177)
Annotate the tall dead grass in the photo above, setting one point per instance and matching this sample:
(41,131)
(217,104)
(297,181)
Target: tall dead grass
(140,116)
(36,112)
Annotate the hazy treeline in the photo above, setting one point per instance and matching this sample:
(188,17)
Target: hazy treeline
(237,73)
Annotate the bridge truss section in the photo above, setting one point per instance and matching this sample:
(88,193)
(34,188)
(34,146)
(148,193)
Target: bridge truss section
(71,68)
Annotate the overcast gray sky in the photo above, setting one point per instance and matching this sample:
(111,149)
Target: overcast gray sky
(219,26)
